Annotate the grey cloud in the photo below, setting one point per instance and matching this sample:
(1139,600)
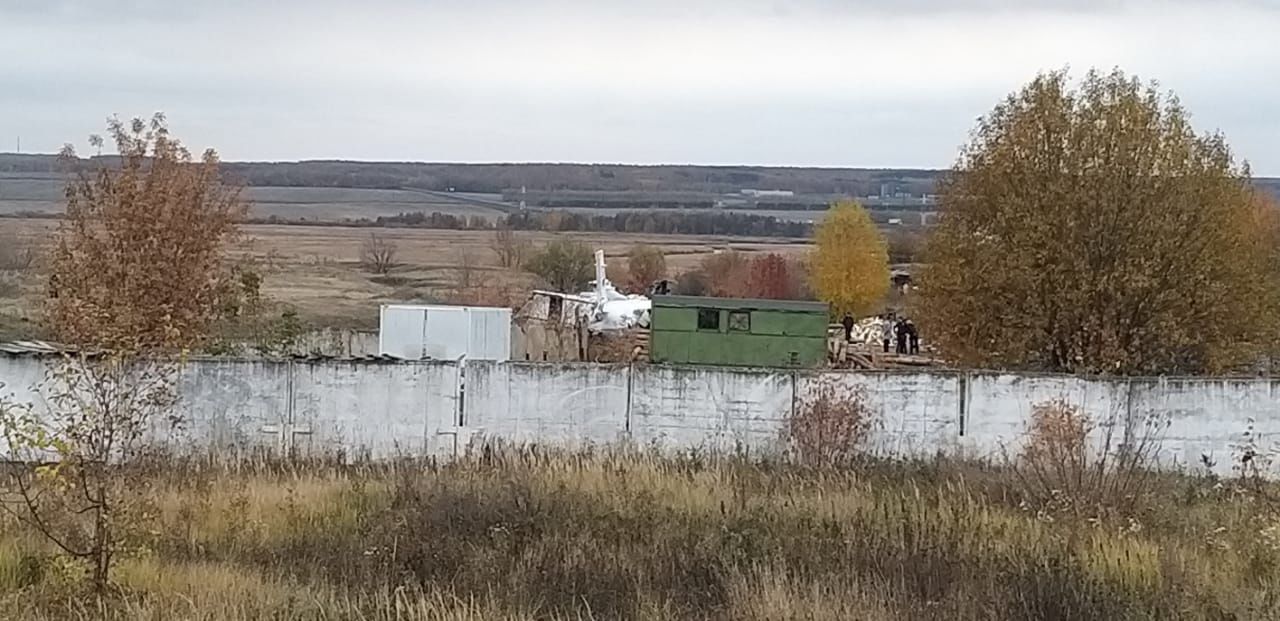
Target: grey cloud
(859,82)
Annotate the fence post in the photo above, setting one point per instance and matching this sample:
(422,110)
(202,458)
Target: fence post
(631,374)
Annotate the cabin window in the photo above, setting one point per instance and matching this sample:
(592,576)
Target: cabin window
(708,319)
(740,321)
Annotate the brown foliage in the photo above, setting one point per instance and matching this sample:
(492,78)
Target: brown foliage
(727,274)
(378,254)
(511,250)
(16,254)
(831,425)
(473,285)
(1070,462)
(692,282)
(138,261)
(1094,231)
(772,279)
(645,265)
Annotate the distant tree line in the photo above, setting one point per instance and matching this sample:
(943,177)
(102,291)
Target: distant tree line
(664,223)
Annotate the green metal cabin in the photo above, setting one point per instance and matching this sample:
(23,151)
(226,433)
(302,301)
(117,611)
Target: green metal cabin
(735,332)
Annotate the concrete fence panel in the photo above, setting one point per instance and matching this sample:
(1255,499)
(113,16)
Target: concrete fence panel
(712,408)
(998,408)
(562,404)
(231,406)
(915,414)
(1211,420)
(365,409)
(21,377)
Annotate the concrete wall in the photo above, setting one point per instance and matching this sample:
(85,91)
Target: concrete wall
(563,404)
(997,407)
(916,414)
(1213,418)
(234,407)
(231,406)
(712,408)
(373,410)
(382,410)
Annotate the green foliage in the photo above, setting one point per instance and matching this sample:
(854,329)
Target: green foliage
(566,265)
(249,321)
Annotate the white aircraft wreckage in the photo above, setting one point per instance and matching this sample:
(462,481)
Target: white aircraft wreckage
(603,308)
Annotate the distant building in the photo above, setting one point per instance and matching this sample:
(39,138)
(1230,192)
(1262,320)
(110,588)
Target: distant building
(436,332)
(768,193)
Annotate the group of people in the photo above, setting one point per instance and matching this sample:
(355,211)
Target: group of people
(898,331)
(903,332)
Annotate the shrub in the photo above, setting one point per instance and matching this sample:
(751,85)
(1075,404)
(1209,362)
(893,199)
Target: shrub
(1069,462)
(831,425)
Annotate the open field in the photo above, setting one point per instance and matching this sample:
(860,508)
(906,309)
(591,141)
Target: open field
(316,269)
(42,194)
(26,193)
(625,536)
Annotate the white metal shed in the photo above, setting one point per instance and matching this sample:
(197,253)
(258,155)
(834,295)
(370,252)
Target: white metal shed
(414,332)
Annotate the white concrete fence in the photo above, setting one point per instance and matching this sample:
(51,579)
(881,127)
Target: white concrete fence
(380,409)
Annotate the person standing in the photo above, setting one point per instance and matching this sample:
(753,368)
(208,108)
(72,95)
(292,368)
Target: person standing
(847,322)
(886,330)
(913,338)
(900,331)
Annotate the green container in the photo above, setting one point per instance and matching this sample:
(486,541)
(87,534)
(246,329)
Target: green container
(738,332)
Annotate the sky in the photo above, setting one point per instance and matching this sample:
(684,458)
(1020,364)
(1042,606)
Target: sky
(867,83)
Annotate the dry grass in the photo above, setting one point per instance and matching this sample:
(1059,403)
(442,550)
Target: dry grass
(614,535)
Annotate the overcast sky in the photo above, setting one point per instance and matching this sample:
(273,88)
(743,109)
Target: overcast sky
(878,83)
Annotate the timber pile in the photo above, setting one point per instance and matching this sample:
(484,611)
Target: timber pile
(858,355)
(630,345)
(906,360)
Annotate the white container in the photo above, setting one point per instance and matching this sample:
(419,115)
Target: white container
(436,332)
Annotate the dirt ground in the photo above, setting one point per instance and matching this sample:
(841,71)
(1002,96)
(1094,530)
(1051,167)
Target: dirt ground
(317,269)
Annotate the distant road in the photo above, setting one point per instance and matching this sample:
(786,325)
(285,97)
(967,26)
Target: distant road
(466,197)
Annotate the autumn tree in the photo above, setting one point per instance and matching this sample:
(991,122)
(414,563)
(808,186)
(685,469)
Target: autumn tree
(771,278)
(692,282)
(566,265)
(137,264)
(1091,229)
(645,265)
(511,250)
(378,254)
(727,274)
(136,278)
(849,268)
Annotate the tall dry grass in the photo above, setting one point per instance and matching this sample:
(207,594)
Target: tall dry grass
(524,534)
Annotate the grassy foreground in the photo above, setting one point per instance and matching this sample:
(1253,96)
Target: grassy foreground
(605,536)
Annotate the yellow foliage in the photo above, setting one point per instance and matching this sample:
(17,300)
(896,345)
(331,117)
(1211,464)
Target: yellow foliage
(850,266)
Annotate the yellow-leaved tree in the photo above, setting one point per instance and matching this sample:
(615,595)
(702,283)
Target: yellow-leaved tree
(850,266)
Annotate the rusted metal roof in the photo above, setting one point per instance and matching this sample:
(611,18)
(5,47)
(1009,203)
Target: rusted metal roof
(33,348)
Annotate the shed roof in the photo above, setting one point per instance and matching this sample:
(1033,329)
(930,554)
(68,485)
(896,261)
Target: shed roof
(691,301)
